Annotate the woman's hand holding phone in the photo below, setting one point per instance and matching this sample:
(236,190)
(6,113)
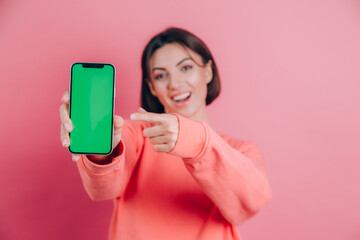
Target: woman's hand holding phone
(66,128)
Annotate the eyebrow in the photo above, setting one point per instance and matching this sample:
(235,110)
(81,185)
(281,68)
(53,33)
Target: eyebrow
(159,68)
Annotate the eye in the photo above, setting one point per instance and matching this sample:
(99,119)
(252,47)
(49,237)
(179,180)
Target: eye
(160,76)
(186,68)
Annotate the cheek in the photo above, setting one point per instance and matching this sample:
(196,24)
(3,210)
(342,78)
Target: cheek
(198,81)
(160,90)
(194,78)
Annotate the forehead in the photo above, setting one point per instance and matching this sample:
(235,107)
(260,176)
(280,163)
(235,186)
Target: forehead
(170,54)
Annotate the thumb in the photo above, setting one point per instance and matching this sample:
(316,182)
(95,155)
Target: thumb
(141,110)
(118,121)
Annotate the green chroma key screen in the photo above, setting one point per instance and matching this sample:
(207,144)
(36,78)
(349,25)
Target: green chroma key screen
(91,108)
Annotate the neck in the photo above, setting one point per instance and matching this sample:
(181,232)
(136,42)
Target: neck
(199,115)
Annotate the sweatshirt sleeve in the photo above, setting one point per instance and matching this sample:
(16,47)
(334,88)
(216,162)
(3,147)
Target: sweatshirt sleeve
(233,177)
(106,182)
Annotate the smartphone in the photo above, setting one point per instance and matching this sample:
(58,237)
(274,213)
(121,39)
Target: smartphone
(91,108)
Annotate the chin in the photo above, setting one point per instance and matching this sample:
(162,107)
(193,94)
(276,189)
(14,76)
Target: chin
(188,113)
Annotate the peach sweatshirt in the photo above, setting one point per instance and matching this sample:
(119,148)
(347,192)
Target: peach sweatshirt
(202,189)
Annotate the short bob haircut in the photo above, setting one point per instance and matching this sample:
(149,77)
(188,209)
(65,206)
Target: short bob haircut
(175,35)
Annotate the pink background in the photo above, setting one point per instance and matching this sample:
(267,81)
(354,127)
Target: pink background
(291,78)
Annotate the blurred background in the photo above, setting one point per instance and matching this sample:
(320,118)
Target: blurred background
(290,73)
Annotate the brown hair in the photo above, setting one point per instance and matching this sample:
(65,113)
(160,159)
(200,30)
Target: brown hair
(175,35)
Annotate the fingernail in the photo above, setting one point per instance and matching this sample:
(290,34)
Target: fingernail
(67,126)
(64,142)
(133,116)
(63,98)
(75,158)
(141,109)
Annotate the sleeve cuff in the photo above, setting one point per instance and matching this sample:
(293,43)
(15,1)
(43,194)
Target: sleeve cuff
(193,138)
(103,169)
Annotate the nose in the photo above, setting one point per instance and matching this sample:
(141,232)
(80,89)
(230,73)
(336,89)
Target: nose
(174,82)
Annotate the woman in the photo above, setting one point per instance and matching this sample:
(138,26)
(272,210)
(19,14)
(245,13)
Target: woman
(171,176)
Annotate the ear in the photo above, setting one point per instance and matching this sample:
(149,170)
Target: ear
(151,86)
(208,71)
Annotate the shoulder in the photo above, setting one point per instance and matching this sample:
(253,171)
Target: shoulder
(241,145)
(233,142)
(247,148)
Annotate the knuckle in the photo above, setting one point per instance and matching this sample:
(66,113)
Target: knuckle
(173,129)
(61,108)
(64,135)
(165,149)
(116,121)
(65,95)
(171,146)
(145,133)
(117,129)
(163,117)
(167,126)
(173,132)
(120,121)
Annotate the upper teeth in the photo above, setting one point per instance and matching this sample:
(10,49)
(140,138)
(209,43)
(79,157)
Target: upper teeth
(181,96)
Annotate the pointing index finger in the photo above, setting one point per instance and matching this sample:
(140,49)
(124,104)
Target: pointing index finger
(156,118)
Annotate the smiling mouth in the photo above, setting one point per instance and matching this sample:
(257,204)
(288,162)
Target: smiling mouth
(181,97)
